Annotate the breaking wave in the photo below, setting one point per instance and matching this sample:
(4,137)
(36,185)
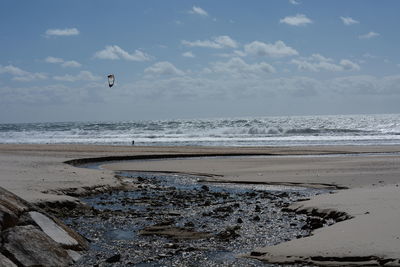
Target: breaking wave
(264,131)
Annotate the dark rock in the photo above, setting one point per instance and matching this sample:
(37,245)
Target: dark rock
(256,218)
(205,188)
(207,203)
(228,233)
(257,254)
(283,194)
(239,220)
(189,249)
(171,246)
(29,246)
(25,219)
(224,209)
(7,218)
(113,259)
(189,224)
(313,223)
(257,209)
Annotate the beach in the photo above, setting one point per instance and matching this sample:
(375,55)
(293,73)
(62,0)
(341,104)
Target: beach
(366,177)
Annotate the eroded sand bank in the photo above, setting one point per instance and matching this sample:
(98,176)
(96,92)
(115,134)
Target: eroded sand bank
(373,197)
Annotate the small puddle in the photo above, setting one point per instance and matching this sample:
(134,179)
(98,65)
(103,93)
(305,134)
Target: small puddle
(174,220)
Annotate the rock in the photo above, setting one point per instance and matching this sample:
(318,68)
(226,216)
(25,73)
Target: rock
(171,246)
(239,220)
(7,218)
(54,231)
(74,255)
(207,203)
(29,236)
(29,246)
(12,202)
(257,254)
(224,209)
(113,259)
(6,262)
(228,233)
(189,224)
(313,223)
(205,188)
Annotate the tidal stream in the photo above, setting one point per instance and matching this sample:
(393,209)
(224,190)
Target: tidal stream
(175,220)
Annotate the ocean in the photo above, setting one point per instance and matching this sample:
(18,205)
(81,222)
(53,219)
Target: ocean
(251,131)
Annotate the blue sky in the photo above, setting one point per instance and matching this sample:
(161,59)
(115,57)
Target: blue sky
(197,59)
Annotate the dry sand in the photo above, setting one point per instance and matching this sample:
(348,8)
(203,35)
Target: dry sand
(373,197)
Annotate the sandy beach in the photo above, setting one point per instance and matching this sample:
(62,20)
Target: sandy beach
(368,176)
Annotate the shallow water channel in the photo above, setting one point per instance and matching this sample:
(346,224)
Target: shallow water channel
(174,220)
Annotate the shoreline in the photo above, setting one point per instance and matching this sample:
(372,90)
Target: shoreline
(370,237)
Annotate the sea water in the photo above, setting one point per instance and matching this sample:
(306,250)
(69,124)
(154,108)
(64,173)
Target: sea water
(250,131)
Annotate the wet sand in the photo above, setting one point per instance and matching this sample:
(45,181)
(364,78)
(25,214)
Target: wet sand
(37,173)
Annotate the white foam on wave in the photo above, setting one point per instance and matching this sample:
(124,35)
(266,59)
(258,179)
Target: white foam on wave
(307,130)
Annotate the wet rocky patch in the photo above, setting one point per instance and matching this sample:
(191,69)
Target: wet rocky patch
(174,220)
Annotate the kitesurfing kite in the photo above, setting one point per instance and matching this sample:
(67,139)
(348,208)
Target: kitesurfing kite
(111,80)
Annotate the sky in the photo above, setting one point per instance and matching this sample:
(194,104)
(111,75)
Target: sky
(181,59)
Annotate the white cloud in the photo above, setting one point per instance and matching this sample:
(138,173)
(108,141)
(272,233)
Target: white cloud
(62,32)
(239,67)
(163,68)
(71,64)
(211,87)
(319,57)
(369,35)
(294,2)
(365,85)
(53,94)
(298,20)
(81,76)
(226,41)
(198,43)
(207,86)
(349,20)
(349,65)
(199,11)
(115,52)
(317,63)
(279,49)
(305,65)
(57,60)
(22,75)
(54,60)
(218,42)
(250,86)
(188,54)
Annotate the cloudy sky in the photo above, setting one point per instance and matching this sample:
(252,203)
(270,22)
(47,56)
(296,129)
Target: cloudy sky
(197,59)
